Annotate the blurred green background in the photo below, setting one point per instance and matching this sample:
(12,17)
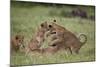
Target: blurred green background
(26,17)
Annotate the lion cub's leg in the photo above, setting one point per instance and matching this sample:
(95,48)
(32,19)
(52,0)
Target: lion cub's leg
(70,50)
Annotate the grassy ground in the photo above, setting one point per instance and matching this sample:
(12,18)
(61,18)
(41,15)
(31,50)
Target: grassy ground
(24,20)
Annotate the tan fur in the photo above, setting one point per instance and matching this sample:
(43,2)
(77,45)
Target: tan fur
(39,37)
(64,38)
(48,50)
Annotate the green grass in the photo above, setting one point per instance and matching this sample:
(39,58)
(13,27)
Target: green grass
(25,20)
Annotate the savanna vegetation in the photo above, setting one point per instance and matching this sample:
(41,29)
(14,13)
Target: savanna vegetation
(26,17)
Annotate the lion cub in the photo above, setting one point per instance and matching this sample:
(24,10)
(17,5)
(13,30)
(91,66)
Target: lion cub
(17,42)
(64,38)
(36,42)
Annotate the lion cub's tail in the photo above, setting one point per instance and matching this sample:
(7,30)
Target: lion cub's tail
(81,36)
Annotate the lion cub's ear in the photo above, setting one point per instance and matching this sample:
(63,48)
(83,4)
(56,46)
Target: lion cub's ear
(54,20)
(16,37)
(44,24)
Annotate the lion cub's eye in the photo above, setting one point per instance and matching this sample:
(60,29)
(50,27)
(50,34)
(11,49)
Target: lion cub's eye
(42,25)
